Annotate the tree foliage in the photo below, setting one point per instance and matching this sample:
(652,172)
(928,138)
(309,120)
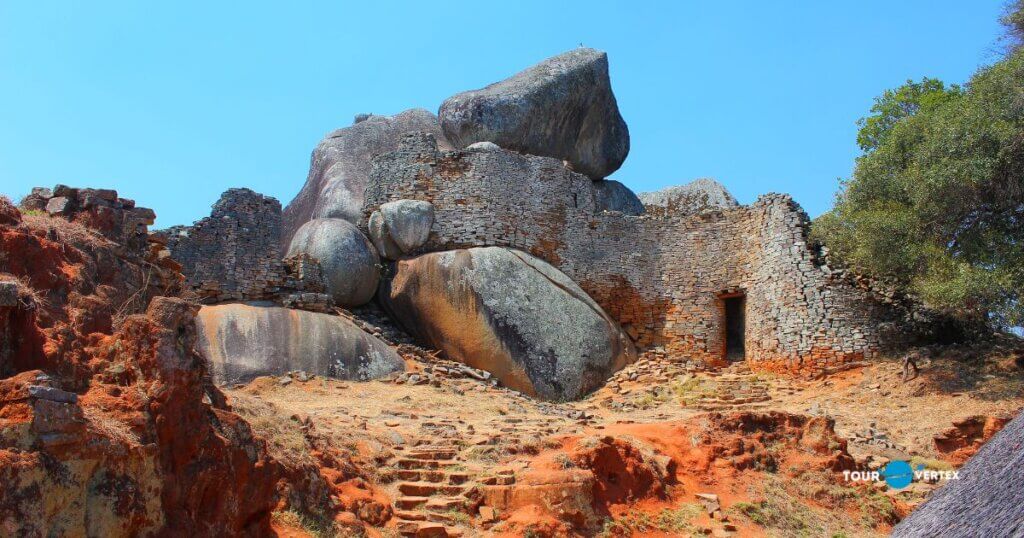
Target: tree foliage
(936,200)
(1013,20)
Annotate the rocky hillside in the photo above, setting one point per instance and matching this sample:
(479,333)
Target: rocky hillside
(461,327)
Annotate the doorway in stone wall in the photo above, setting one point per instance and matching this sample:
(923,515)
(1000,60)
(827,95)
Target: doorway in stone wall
(735,326)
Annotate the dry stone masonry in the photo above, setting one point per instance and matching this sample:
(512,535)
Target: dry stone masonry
(666,277)
(234,255)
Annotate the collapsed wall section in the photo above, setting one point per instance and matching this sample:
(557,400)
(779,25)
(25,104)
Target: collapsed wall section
(662,277)
(235,255)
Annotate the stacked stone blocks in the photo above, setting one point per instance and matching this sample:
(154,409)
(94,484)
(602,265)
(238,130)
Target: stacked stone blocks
(235,255)
(662,276)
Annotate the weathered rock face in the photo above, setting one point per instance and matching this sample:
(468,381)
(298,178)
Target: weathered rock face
(113,433)
(341,163)
(511,314)
(694,197)
(562,107)
(400,227)
(244,341)
(348,261)
(610,195)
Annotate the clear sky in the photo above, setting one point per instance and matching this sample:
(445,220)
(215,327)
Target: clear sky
(171,103)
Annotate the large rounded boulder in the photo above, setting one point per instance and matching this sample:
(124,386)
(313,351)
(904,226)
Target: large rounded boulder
(401,227)
(340,166)
(562,107)
(348,261)
(610,195)
(243,341)
(509,313)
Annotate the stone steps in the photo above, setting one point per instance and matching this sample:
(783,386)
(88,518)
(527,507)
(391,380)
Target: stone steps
(415,464)
(423,489)
(432,483)
(426,529)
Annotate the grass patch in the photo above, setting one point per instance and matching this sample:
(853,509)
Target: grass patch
(795,511)
(318,527)
(459,517)
(285,439)
(65,231)
(675,521)
(931,464)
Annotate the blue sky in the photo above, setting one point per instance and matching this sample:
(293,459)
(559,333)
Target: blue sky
(171,103)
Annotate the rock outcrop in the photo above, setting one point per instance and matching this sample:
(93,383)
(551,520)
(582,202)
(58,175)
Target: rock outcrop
(610,195)
(348,261)
(511,314)
(697,196)
(341,163)
(108,432)
(401,226)
(245,341)
(562,107)
(100,210)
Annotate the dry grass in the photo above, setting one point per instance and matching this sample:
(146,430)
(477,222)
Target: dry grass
(64,231)
(284,436)
(316,527)
(109,426)
(27,295)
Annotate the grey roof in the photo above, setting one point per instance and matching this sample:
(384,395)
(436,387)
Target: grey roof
(986,500)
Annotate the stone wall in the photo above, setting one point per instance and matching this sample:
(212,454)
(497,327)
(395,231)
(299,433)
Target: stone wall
(662,276)
(235,255)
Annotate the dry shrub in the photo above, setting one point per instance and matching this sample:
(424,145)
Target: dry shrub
(30,297)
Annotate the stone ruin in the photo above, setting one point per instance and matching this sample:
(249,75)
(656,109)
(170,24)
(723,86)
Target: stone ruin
(671,277)
(235,255)
(687,272)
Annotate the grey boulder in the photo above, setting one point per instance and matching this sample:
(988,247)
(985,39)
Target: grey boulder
(562,107)
(401,227)
(511,314)
(348,261)
(698,196)
(610,195)
(340,166)
(243,341)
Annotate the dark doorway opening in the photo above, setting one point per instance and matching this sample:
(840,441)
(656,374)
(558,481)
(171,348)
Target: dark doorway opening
(735,327)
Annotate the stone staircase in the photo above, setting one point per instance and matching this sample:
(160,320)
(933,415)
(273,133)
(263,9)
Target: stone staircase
(435,483)
(432,482)
(735,388)
(432,487)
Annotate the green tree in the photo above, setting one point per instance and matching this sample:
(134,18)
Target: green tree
(1013,20)
(903,102)
(936,201)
